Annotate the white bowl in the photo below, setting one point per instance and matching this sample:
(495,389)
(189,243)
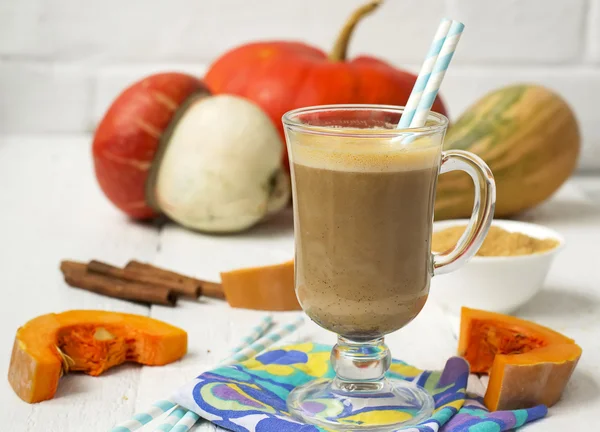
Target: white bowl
(497,284)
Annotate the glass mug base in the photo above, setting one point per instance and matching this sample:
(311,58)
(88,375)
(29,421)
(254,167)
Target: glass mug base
(370,406)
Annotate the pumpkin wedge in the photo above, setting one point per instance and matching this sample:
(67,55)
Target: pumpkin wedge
(88,341)
(264,288)
(528,364)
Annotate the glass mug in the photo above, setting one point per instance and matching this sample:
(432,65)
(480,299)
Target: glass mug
(363,194)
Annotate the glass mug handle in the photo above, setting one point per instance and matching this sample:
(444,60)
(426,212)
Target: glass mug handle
(483,209)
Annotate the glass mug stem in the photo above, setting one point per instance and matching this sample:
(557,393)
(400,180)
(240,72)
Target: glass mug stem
(360,365)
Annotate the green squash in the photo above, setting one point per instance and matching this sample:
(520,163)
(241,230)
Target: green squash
(530,139)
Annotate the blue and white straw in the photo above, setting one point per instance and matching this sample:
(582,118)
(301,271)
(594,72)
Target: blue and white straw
(424,73)
(187,421)
(437,75)
(255,334)
(263,343)
(174,416)
(138,420)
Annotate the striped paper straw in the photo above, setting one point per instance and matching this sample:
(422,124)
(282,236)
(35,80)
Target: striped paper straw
(255,333)
(437,74)
(424,73)
(174,416)
(263,343)
(187,421)
(138,420)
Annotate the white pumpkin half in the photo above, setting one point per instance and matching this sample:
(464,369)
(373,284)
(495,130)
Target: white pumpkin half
(218,168)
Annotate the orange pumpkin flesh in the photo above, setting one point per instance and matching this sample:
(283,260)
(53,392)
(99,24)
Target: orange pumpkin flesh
(280,76)
(263,288)
(528,364)
(88,341)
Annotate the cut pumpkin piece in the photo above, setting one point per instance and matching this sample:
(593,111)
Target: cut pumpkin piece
(262,288)
(88,341)
(528,364)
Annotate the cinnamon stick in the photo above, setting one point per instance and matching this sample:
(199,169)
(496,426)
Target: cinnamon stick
(77,275)
(180,287)
(208,289)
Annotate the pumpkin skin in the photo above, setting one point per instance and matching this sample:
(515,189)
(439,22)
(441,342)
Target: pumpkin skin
(128,135)
(528,364)
(529,138)
(210,163)
(280,76)
(91,342)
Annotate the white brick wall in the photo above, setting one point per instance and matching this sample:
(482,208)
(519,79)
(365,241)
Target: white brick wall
(63,61)
(44,98)
(594,31)
(521,31)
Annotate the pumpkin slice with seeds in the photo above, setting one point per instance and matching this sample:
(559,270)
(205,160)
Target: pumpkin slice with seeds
(528,364)
(88,341)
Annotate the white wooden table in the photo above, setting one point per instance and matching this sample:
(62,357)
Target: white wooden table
(52,209)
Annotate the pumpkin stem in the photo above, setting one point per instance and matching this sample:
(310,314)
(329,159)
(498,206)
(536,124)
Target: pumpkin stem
(341,44)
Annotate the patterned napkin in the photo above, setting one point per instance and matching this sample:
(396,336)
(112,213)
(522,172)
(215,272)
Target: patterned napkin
(250,396)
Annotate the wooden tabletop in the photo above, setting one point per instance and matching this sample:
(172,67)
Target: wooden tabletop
(52,209)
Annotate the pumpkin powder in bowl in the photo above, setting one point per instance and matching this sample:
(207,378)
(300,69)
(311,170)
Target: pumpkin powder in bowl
(498,242)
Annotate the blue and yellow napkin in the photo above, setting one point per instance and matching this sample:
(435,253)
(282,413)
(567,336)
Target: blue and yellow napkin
(250,396)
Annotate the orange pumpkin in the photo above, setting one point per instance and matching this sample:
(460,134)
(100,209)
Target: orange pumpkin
(280,76)
(88,341)
(528,364)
